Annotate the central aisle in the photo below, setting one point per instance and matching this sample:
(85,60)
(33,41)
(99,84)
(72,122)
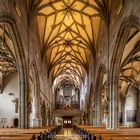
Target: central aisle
(67,134)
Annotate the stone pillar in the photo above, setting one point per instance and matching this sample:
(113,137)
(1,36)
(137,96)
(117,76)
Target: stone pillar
(49,117)
(36,113)
(23,122)
(90,121)
(86,118)
(123,112)
(83,118)
(1,80)
(113,104)
(94,120)
(98,110)
(138,108)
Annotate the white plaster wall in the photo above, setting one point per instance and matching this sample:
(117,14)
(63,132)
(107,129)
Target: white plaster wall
(83,93)
(76,94)
(73,91)
(61,91)
(58,120)
(7,107)
(131,104)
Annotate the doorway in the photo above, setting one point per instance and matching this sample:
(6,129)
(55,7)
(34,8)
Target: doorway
(67,122)
(15,122)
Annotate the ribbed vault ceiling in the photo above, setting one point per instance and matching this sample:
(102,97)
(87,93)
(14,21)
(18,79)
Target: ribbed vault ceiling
(7,54)
(130,64)
(68,32)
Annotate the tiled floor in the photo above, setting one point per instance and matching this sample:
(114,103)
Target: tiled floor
(67,134)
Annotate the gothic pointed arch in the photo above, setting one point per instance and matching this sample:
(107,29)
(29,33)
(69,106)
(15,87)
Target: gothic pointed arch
(121,62)
(21,64)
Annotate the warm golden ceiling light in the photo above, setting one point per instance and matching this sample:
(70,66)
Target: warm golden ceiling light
(69,30)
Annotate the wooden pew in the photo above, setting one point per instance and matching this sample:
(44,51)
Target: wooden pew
(23,134)
(121,138)
(119,134)
(16,137)
(107,135)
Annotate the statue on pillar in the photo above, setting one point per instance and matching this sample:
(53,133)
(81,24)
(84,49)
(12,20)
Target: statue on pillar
(16,104)
(93,109)
(105,106)
(84,118)
(105,103)
(29,100)
(29,107)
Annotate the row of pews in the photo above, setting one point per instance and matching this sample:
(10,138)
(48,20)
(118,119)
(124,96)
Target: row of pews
(101,133)
(46,133)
